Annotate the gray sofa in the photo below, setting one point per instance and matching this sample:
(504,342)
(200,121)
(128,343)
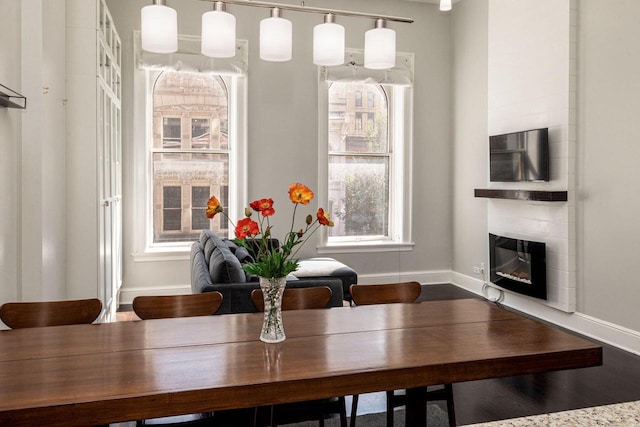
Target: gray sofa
(216,265)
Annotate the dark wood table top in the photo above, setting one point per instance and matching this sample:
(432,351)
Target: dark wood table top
(96,374)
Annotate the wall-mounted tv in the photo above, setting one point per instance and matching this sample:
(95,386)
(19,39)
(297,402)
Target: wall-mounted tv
(519,156)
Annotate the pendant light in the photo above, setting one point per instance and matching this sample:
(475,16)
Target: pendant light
(218,33)
(159,28)
(328,42)
(445,5)
(276,38)
(380,47)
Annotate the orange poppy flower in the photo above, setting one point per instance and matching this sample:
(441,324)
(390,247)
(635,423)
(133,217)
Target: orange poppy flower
(213,207)
(300,193)
(323,218)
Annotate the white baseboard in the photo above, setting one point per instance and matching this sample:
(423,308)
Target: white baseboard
(128,294)
(598,329)
(601,330)
(424,277)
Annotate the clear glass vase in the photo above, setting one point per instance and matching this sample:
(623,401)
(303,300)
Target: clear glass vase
(272,327)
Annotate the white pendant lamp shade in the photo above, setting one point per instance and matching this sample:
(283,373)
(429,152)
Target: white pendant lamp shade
(328,43)
(276,38)
(445,5)
(380,47)
(159,28)
(218,33)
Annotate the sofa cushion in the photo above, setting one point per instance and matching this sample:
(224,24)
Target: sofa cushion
(205,235)
(243,255)
(328,267)
(200,277)
(224,267)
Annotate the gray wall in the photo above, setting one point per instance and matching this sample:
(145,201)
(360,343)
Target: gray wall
(608,153)
(282,129)
(469,128)
(10,125)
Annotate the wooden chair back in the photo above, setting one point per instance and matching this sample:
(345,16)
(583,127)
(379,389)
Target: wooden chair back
(166,306)
(405,292)
(17,315)
(297,298)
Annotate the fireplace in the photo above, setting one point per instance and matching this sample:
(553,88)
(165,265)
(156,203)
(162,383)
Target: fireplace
(518,265)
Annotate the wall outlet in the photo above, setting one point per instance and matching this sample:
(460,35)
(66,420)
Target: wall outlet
(479,269)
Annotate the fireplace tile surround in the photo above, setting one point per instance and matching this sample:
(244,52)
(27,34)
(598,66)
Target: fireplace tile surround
(544,94)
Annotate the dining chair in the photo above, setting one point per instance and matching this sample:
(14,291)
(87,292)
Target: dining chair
(17,315)
(301,299)
(297,298)
(168,306)
(388,293)
(171,306)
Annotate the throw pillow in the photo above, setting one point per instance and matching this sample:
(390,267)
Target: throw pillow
(224,267)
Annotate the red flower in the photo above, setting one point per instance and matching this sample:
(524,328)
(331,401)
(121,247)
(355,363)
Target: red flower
(300,193)
(272,261)
(264,206)
(246,228)
(323,218)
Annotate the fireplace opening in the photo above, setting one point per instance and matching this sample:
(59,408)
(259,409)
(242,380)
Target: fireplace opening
(518,265)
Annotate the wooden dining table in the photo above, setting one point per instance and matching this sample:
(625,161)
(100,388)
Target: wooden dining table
(114,372)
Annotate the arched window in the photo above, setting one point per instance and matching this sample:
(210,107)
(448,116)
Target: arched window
(189,153)
(360,161)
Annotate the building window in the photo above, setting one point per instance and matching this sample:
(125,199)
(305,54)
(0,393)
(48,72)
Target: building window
(171,132)
(199,197)
(358,98)
(200,135)
(171,208)
(188,167)
(366,185)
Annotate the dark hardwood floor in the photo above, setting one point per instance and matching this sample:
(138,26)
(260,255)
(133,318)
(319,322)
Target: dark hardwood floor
(617,380)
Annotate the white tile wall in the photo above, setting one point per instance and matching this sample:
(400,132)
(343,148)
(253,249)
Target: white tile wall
(532,84)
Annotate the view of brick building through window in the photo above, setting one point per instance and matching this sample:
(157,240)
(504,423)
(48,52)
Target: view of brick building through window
(359,160)
(189,154)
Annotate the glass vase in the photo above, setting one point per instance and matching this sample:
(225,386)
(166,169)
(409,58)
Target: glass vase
(272,327)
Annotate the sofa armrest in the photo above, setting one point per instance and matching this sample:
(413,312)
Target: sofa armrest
(236,297)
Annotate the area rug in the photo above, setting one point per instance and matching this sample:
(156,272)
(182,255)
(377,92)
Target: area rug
(617,415)
(436,417)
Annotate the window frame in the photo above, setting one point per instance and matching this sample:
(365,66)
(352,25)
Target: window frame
(400,122)
(144,247)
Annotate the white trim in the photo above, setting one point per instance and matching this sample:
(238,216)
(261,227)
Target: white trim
(370,246)
(424,277)
(127,295)
(161,256)
(601,330)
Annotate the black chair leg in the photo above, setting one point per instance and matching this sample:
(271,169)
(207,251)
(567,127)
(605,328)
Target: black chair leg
(451,412)
(354,410)
(343,411)
(390,408)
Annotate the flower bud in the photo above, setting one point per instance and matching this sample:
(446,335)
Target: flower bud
(247,212)
(300,234)
(309,219)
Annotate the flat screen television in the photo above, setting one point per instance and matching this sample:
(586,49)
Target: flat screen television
(519,156)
